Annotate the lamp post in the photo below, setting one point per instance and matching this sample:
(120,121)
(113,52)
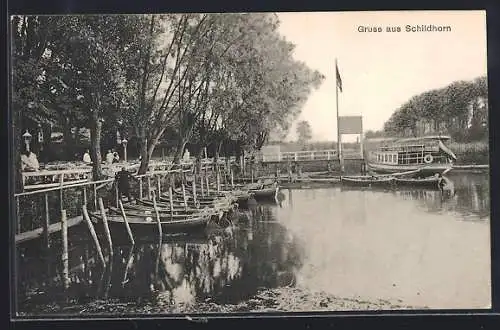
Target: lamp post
(124,143)
(27,140)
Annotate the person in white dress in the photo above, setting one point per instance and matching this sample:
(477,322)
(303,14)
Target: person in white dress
(86,157)
(29,162)
(109,157)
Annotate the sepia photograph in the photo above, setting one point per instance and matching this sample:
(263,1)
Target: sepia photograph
(174,164)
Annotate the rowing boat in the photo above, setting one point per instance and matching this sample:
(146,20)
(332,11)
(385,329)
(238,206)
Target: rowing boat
(145,224)
(366,180)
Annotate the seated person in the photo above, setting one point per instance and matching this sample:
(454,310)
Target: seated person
(29,162)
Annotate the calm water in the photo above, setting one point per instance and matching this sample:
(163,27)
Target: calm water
(418,247)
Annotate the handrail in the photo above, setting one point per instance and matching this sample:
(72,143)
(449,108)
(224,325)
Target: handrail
(64,186)
(57,172)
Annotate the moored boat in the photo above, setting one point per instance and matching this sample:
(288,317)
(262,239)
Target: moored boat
(426,154)
(366,180)
(147,224)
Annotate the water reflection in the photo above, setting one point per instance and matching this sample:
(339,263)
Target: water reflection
(389,244)
(224,267)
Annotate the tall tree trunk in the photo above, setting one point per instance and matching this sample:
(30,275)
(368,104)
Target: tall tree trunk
(145,156)
(68,140)
(181,144)
(95,146)
(217,150)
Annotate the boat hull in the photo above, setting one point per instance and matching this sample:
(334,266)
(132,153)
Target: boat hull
(424,170)
(264,194)
(366,181)
(139,227)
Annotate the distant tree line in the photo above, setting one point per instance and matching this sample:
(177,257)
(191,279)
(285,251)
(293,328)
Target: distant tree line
(219,80)
(459,110)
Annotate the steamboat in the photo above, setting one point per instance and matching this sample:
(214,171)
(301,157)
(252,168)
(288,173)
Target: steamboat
(426,155)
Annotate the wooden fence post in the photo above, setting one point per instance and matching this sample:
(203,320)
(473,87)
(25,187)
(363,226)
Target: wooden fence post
(127,226)
(64,232)
(149,187)
(18,216)
(93,234)
(95,197)
(140,188)
(46,223)
(106,227)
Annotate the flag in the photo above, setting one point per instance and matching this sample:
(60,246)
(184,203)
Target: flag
(339,80)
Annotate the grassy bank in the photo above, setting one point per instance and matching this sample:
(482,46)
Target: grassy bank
(472,153)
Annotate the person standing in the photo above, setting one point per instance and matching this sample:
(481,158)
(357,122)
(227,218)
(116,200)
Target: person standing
(109,157)
(116,157)
(86,157)
(123,181)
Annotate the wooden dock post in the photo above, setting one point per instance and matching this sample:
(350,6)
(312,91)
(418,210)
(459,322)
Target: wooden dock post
(201,185)
(232,177)
(106,226)
(140,188)
(117,194)
(195,199)
(93,234)
(149,187)
(18,216)
(95,196)
(129,231)
(171,198)
(159,185)
(217,178)
(158,220)
(61,182)
(85,195)
(207,185)
(184,197)
(64,234)
(46,223)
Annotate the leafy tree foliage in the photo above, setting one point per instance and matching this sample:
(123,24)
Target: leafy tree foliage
(206,78)
(304,132)
(460,109)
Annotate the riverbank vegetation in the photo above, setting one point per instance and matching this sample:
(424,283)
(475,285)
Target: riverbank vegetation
(222,81)
(459,110)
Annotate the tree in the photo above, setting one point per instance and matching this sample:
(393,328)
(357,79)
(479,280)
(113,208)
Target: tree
(90,49)
(30,39)
(460,109)
(304,132)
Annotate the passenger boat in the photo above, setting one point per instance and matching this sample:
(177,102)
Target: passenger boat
(426,154)
(366,181)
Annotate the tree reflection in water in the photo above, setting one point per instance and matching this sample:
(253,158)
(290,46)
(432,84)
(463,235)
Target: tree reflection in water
(223,267)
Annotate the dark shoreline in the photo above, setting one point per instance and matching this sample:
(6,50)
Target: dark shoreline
(284,299)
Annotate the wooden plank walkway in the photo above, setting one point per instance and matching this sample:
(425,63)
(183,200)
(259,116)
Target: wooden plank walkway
(53,228)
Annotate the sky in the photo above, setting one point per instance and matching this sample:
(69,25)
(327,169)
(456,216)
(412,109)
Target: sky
(381,70)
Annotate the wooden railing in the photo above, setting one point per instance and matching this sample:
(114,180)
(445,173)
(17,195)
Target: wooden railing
(48,201)
(308,155)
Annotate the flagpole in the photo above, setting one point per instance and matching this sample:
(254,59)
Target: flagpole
(339,144)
